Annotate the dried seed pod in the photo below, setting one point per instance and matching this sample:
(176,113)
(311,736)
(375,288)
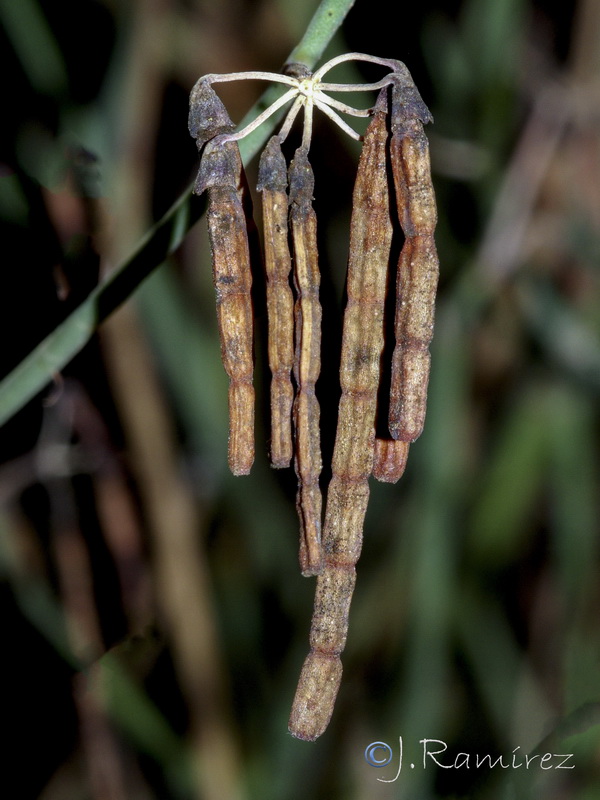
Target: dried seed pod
(208,116)
(357,453)
(221,173)
(418,266)
(362,346)
(307,361)
(272,183)
(407,103)
(389,461)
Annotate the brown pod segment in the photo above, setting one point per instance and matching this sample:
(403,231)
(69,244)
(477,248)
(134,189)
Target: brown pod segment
(221,175)
(307,361)
(348,493)
(272,183)
(389,460)
(418,266)
(395,152)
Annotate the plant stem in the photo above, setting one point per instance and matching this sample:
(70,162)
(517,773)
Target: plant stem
(326,20)
(54,352)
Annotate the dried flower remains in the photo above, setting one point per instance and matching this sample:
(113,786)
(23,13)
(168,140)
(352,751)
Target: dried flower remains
(395,154)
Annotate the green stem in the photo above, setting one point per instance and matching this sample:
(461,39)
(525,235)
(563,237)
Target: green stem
(326,20)
(54,352)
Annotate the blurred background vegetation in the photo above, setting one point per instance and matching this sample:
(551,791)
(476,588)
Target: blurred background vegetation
(155,619)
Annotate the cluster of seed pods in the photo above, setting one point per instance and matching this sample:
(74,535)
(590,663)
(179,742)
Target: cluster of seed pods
(395,153)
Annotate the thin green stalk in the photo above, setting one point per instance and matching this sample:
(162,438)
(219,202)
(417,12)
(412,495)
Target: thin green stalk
(54,352)
(325,22)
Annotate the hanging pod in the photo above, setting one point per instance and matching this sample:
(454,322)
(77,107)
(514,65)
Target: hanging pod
(418,267)
(307,361)
(395,153)
(221,175)
(348,493)
(272,184)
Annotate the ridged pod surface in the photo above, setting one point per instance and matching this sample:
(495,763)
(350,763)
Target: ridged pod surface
(221,175)
(272,184)
(389,460)
(348,493)
(307,361)
(395,152)
(418,267)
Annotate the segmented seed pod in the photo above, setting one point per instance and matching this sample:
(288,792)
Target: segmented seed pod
(208,116)
(348,493)
(272,183)
(295,330)
(418,266)
(389,460)
(307,361)
(221,174)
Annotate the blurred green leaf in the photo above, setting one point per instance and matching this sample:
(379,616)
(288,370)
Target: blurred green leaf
(492,36)
(560,330)
(574,492)
(190,362)
(139,718)
(35,45)
(59,347)
(513,476)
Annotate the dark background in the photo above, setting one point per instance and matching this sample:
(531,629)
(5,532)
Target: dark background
(155,619)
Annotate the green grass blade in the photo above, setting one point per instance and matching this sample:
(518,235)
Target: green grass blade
(68,338)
